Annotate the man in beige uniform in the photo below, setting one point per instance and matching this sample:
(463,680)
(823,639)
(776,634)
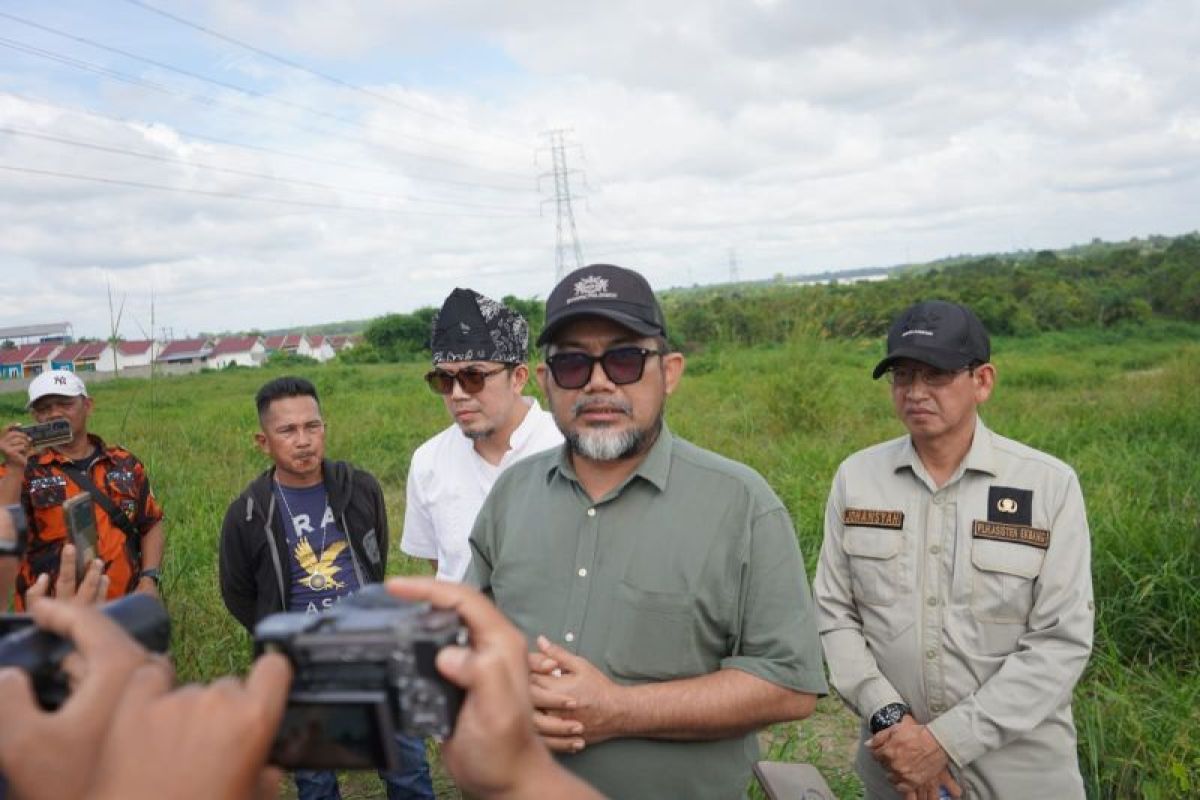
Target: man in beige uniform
(954,589)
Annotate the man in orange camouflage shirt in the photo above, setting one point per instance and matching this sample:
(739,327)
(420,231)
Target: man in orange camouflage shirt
(129,531)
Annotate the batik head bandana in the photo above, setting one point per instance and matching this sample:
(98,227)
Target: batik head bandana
(471,327)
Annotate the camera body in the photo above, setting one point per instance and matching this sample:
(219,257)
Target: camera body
(364,671)
(40,653)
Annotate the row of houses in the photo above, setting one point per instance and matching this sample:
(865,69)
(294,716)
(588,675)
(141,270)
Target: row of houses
(28,360)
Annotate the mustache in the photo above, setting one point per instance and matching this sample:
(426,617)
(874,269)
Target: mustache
(609,404)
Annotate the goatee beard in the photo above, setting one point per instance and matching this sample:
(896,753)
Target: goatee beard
(608,445)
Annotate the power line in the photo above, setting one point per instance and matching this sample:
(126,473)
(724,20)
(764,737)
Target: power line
(83,65)
(271,150)
(231,171)
(251,198)
(316,73)
(243,90)
(566,236)
(205,100)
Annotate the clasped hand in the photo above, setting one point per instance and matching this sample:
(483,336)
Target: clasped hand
(575,704)
(916,764)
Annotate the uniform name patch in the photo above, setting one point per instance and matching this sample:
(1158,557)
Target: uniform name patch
(1006,532)
(871,518)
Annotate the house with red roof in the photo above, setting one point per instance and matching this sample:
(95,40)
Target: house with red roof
(245,351)
(343,341)
(294,343)
(27,360)
(185,351)
(12,360)
(135,353)
(322,349)
(84,357)
(40,358)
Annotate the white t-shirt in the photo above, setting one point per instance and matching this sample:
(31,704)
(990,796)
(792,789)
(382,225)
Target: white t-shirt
(448,481)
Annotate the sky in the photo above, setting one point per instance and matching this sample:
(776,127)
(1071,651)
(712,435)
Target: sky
(227,165)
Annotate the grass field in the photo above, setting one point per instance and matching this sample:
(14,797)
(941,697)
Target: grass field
(1120,406)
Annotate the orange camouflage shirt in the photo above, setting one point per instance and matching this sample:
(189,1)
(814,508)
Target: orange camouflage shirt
(116,472)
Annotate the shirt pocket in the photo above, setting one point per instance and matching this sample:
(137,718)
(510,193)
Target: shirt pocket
(874,557)
(653,636)
(1002,580)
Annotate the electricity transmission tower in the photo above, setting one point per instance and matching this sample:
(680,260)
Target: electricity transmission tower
(567,238)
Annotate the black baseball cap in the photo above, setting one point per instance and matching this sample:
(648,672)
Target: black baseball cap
(943,335)
(604,290)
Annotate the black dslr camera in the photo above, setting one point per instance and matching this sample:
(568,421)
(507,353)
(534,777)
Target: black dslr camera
(40,653)
(364,671)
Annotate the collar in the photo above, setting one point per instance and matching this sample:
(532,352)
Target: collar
(52,456)
(980,458)
(655,467)
(521,435)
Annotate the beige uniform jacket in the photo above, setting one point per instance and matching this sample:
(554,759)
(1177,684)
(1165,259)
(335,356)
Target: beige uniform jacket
(971,603)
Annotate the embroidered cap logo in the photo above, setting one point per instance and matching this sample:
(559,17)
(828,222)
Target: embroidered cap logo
(591,286)
(922,324)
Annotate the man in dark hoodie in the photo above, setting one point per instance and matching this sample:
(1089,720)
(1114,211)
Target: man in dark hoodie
(303,535)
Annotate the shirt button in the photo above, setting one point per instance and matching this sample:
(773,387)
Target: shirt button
(570,637)
(932,601)
(931,654)
(933,548)
(937,708)
(583,572)
(938,499)
(591,512)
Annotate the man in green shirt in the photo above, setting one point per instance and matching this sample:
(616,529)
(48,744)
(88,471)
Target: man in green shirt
(661,583)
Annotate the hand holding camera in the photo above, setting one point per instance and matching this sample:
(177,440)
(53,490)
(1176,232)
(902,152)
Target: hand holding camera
(98,665)
(134,737)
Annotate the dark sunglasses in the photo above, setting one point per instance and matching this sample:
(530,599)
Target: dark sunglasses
(470,379)
(622,365)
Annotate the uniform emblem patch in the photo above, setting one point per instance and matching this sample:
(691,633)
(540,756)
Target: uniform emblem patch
(1017,534)
(873,518)
(1008,504)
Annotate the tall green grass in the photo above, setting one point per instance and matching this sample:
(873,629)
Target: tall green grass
(1121,406)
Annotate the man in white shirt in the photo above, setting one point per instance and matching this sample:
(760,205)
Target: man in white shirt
(480,351)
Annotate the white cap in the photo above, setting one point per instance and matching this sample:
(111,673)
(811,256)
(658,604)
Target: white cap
(55,382)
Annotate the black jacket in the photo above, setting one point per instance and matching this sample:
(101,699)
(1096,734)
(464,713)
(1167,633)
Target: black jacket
(254,553)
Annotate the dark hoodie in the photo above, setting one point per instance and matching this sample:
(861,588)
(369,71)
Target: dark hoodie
(254,553)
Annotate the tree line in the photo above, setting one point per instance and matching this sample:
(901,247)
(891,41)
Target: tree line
(1097,285)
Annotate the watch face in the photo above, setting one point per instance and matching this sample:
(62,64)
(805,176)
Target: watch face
(887,716)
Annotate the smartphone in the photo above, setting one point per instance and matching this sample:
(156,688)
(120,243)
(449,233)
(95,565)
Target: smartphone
(80,512)
(48,434)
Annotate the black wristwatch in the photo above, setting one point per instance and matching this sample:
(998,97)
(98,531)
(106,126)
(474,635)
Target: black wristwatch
(887,716)
(152,574)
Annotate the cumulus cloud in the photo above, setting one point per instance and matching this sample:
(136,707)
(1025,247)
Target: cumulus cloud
(804,136)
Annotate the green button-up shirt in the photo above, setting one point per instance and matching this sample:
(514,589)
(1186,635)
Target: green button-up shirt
(971,602)
(689,566)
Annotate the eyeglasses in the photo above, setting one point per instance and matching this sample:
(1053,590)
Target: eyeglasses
(931,376)
(622,365)
(470,379)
